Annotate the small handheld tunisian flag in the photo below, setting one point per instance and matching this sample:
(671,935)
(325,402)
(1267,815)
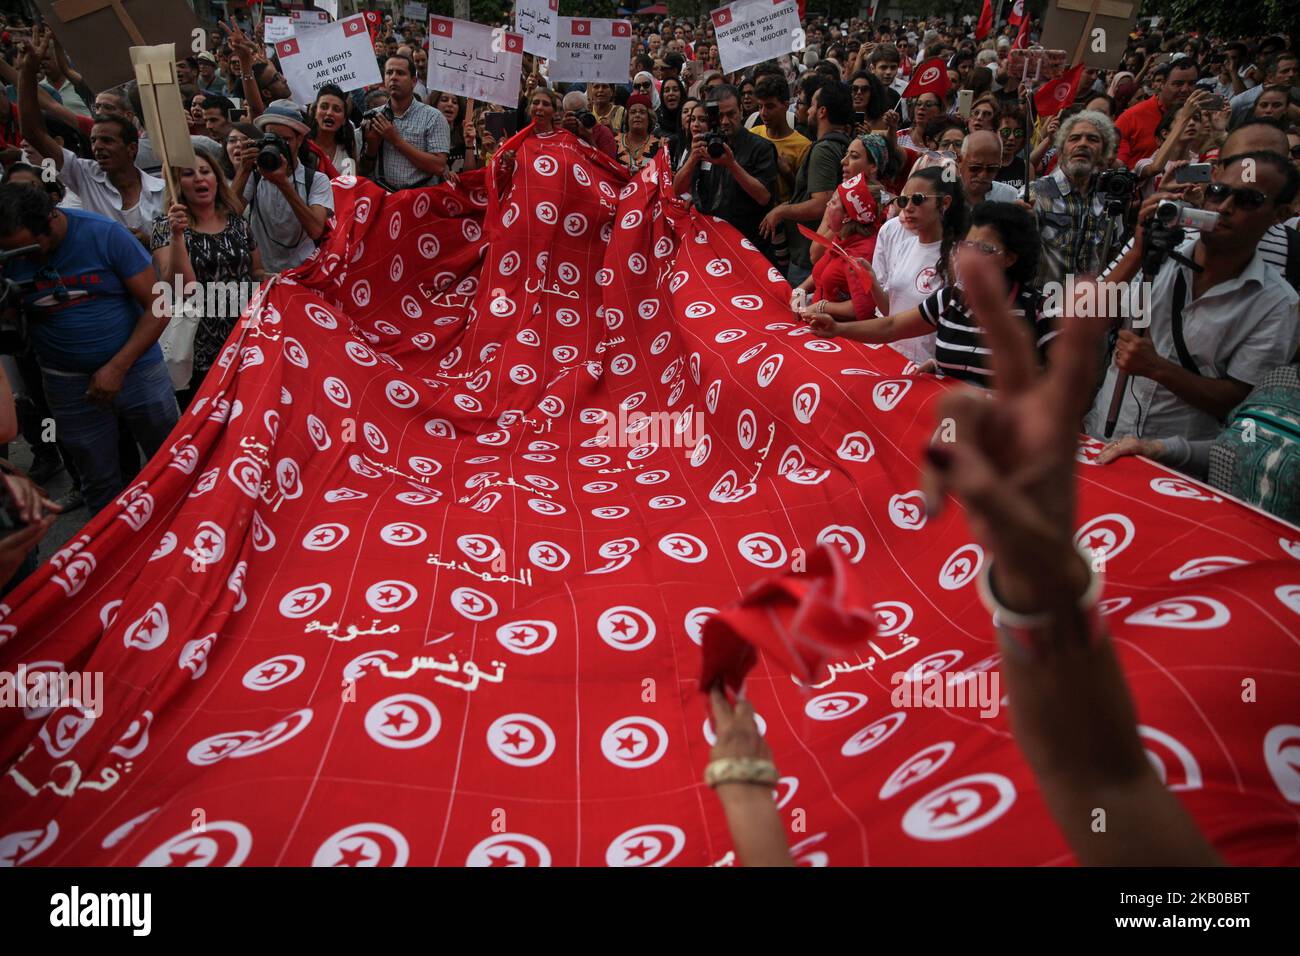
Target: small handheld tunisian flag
(985,23)
(1059,93)
(930,77)
(1017,13)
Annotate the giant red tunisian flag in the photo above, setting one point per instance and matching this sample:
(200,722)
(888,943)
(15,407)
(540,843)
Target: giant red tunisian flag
(393,595)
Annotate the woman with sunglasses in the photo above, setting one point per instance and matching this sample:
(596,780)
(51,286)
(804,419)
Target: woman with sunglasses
(1012,131)
(644,83)
(910,262)
(1002,237)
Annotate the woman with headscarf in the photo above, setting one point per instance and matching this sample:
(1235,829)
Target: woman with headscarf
(644,82)
(866,156)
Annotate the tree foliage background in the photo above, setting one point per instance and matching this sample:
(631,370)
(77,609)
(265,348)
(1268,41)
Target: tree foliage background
(1251,19)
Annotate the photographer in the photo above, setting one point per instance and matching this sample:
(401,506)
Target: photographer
(407,140)
(88,292)
(1072,201)
(288,204)
(731,172)
(1216,328)
(583,124)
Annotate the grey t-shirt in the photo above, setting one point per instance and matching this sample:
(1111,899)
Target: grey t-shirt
(281,237)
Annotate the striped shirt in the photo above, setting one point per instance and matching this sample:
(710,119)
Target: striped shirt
(426,129)
(960,346)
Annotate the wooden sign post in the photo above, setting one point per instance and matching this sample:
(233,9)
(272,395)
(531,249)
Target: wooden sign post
(164,113)
(1071,25)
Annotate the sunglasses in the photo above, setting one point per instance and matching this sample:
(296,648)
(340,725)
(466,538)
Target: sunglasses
(48,274)
(1244,198)
(1007,132)
(641,86)
(861,88)
(988,248)
(916,199)
(1295,152)
(950,144)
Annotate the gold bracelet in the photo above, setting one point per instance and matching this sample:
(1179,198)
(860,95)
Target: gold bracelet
(741,770)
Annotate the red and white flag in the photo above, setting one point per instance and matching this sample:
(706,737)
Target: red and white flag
(929,77)
(1022,38)
(412,499)
(1017,12)
(1057,94)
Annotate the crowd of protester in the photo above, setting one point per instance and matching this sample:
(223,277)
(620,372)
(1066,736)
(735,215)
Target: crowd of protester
(919,192)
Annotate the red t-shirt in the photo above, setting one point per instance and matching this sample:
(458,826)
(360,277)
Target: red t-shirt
(1137,131)
(835,281)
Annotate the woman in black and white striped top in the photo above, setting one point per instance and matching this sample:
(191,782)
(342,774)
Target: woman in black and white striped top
(1001,235)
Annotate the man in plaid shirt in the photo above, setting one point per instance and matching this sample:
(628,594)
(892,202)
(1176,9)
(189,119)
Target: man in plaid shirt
(1071,213)
(410,150)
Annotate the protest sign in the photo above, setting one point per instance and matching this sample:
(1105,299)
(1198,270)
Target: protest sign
(475,61)
(304,20)
(93,33)
(415,11)
(340,53)
(275,29)
(329,6)
(594,51)
(537,21)
(751,31)
(1094,32)
(162,109)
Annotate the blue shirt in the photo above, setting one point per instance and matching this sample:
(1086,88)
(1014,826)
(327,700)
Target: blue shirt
(98,314)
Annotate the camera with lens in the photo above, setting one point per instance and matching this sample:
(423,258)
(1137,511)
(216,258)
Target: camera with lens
(385,111)
(272,152)
(1165,231)
(714,141)
(1116,187)
(587,119)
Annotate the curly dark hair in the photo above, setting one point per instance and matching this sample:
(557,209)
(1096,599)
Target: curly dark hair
(1018,229)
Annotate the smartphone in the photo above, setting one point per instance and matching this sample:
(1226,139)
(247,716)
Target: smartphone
(1214,103)
(964,100)
(1193,173)
(500,125)
(859,118)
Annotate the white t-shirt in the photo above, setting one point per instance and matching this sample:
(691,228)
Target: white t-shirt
(907,269)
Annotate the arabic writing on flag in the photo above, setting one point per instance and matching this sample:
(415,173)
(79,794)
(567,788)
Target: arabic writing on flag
(486,446)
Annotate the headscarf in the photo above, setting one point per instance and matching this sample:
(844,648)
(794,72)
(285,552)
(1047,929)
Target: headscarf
(642,77)
(877,149)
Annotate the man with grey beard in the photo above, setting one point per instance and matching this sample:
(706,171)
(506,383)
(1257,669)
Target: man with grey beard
(1071,212)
